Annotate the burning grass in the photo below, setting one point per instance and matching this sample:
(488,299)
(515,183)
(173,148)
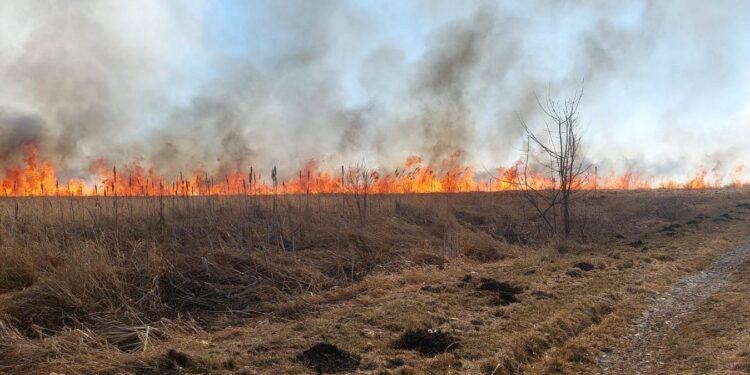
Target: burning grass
(38,177)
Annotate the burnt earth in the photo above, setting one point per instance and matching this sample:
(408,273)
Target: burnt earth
(507,292)
(636,243)
(172,363)
(179,358)
(326,358)
(584,266)
(493,285)
(670,227)
(426,341)
(574,272)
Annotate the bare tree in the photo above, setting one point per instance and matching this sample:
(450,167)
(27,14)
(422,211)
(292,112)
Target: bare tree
(359,180)
(554,153)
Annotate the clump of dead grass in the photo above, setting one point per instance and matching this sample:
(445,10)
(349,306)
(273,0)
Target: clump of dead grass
(553,332)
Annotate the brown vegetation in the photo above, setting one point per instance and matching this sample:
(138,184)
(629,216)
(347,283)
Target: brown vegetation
(105,285)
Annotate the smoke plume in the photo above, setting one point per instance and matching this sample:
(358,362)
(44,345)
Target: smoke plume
(279,83)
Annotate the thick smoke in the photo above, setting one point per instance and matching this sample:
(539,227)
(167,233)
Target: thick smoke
(452,55)
(18,130)
(146,80)
(73,80)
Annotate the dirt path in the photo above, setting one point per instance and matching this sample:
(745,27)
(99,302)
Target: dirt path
(666,312)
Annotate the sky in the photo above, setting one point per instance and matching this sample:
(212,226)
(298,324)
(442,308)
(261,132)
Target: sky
(222,84)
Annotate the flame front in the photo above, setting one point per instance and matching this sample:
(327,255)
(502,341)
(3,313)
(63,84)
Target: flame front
(38,178)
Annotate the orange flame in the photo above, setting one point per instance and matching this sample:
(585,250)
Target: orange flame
(38,178)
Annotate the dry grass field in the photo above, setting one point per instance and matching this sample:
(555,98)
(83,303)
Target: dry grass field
(405,284)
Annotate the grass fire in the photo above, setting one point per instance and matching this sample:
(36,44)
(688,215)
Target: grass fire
(369,187)
(38,178)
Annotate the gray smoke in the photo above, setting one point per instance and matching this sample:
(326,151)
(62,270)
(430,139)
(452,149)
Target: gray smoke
(18,130)
(84,80)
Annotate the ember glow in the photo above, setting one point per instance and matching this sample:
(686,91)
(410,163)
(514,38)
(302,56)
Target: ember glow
(37,177)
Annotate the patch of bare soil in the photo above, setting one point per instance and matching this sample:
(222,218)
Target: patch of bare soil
(172,363)
(325,358)
(668,311)
(584,266)
(506,292)
(427,342)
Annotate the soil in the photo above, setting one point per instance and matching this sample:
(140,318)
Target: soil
(173,362)
(574,272)
(325,358)
(584,266)
(179,358)
(636,243)
(427,342)
(670,227)
(493,285)
(506,292)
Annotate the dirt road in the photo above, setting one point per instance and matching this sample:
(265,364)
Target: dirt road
(666,313)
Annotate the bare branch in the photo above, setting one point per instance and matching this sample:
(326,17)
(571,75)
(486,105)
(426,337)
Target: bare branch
(560,146)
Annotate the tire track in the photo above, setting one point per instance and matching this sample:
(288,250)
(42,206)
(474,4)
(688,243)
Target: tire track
(667,311)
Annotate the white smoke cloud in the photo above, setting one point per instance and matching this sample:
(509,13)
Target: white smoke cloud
(665,82)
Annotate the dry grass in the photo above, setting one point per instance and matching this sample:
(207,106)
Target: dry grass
(97,285)
(715,339)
